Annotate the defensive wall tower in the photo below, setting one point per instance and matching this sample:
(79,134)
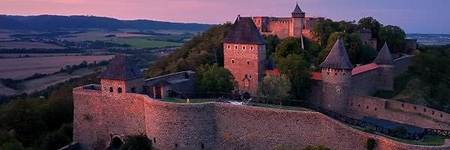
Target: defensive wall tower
(244,55)
(121,76)
(298,20)
(336,79)
(386,72)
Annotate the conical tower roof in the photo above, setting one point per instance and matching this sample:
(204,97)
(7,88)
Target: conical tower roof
(384,56)
(297,9)
(338,57)
(244,31)
(121,68)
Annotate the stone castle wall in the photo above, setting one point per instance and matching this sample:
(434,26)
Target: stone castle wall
(402,64)
(365,83)
(400,112)
(98,118)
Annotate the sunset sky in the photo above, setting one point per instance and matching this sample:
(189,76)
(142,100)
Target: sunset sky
(415,16)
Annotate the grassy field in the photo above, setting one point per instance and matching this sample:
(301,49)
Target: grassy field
(28,45)
(139,42)
(20,68)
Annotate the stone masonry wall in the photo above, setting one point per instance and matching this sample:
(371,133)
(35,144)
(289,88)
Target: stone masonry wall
(180,126)
(99,117)
(365,83)
(399,112)
(402,64)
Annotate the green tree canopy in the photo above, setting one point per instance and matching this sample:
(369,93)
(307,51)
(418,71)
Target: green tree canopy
(205,48)
(357,51)
(371,24)
(296,68)
(394,36)
(275,88)
(288,46)
(323,29)
(432,69)
(271,43)
(214,79)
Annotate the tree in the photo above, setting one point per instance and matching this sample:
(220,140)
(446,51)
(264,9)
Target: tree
(296,68)
(214,79)
(323,29)
(271,43)
(205,48)
(394,36)
(357,51)
(288,46)
(137,142)
(432,69)
(275,88)
(371,24)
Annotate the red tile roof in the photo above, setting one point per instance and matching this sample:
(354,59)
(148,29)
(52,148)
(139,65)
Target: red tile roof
(364,68)
(316,76)
(273,72)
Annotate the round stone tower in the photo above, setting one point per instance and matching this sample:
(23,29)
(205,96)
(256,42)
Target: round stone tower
(336,79)
(386,72)
(297,24)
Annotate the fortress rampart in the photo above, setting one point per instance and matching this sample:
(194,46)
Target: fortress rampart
(99,117)
(400,112)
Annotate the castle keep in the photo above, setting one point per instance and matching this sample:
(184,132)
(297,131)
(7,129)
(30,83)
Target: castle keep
(126,104)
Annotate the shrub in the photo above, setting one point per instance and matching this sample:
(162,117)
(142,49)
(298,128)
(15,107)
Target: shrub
(137,142)
(371,143)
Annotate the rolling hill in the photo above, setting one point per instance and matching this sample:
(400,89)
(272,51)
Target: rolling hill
(58,23)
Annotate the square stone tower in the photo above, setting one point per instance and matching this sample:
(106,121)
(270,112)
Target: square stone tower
(121,76)
(244,55)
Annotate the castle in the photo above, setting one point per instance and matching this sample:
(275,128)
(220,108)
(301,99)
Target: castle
(126,104)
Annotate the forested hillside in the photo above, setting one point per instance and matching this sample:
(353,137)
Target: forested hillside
(56,23)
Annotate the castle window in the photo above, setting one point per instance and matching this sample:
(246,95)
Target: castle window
(228,46)
(359,105)
(232,61)
(375,109)
(176,145)
(236,47)
(251,47)
(403,105)
(250,76)
(367,107)
(335,73)
(111,89)
(424,110)
(246,75)
(248,62)
(243,47)
(202,145)
(154,140)
(415,108)
(442,116)
(432,112)
(119,90)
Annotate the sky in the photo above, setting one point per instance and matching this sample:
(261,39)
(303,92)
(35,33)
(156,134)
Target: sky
(414,16)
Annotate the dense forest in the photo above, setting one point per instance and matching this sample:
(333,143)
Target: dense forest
(42,120)
(57,23)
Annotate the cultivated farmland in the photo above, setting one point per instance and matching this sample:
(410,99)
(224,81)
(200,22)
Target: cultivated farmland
(20,68)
